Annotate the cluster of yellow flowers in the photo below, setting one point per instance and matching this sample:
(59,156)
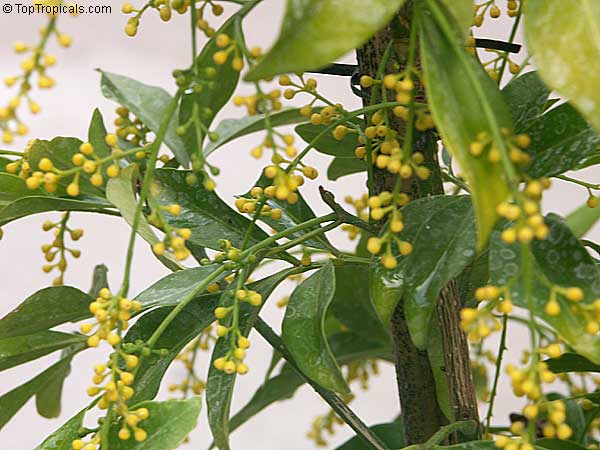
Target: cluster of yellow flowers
(37,61)
(494,64)
(480,323)
(484,145)
(308,86)
(527,223)
(284,184)
(575,297)
(86,161)
(490,6)
(130,130)
(228,47)
(260,103)
(256,200)
(165,10)
(233,361)
(112,314)
(382,205)
(360,205)
(57,248)
(174,238)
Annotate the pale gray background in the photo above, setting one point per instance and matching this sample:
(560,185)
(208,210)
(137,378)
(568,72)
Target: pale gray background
(99,41)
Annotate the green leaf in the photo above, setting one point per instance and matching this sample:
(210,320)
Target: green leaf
(352,305)
(571,362)
(28,206)
(558,444)
(167,426)
(442,232)
(21,349)
(391,434)
(13,401)
(97,134)
(563,261)
(219,385)
(120,192)
(231,129)
(48,400)
(314,33)
(564,39)
(527,98)
(462,11)
(45,309)
(583,219)
(148,103)
(62,438)
(173,288)
(303,329)
(347,347)
(464,101)
(327,144)
(561,140)
(60,151)
(203,212)
(340,167)
(292,215)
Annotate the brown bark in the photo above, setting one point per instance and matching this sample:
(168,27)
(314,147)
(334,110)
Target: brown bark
(417,391)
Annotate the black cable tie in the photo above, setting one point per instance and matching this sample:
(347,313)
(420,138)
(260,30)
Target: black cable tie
(352,70)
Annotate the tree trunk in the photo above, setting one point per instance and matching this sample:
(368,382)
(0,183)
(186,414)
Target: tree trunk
(421,411)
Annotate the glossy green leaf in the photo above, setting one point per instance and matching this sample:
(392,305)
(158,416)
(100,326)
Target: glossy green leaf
(561,140)
(583,219)
(168,425)
(148,103)
(347,348)
(208,217)
(60,151)
(219,385)
(464,101)
(45,309)
(442,232)
(352,304)
(564,38)
(326,143)
(314,33)
(303,329)
(21,349)
(527,97)
(340,167)
(120,192)
(563,261)
(62,438)
(173,288)
(28,206)
(571,362)
(292,215)
(391,434)
(13,401)
(231,129)
(462,11)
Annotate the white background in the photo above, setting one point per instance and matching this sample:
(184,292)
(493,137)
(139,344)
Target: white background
(99,41)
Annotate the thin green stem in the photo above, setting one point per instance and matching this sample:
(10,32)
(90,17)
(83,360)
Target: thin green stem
(579,182)
(148,176)
(501,349)
(11,153)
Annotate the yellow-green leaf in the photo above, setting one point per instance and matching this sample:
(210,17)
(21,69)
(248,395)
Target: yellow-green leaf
(314,33)
(465,102)
(564,38)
